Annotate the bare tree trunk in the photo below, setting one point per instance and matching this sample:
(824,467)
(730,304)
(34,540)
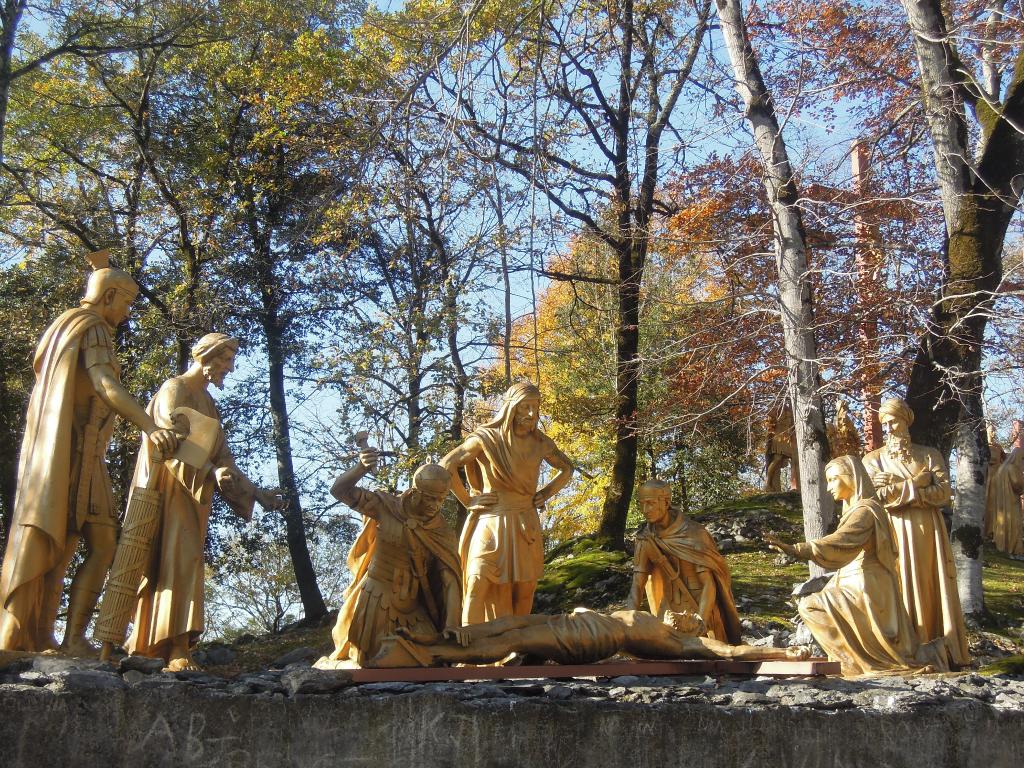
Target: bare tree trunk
(795,299)
(10,15)
(967,532)
(506,282)
(980,191)
(627,390)
(313,606)
(10,411)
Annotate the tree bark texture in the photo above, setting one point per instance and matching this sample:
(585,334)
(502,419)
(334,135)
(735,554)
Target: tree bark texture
(313,605)
(967,530)
(978,200)
(795,299)
(10,15)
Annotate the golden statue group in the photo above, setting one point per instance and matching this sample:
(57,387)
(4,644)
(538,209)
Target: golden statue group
(420,595)
(64,492)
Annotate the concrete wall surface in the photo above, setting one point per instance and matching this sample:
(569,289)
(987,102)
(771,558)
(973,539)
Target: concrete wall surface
(158,721)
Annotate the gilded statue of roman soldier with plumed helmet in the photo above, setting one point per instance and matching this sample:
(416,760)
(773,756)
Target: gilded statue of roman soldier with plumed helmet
(64,492)
(405,567)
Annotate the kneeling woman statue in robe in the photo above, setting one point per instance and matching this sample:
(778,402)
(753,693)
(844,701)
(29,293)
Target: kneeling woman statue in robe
(858,618)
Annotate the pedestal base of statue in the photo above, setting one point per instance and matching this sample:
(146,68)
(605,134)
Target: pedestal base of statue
(688,667)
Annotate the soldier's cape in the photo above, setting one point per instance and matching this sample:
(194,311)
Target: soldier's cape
(44,468)
(434,535)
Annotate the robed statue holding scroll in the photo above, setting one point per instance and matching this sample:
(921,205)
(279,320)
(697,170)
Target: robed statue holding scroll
(169,616)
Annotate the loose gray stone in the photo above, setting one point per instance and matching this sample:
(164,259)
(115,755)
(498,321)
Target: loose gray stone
(301,681)
(32,677)
(524,689)
(257,684)
(303,654)
(480,691)
(52,665)
(810,586)
(214,656)
(85,679)
(133,676)
(387,687)
(143,664)
(748,698)
(558,692)
(627,680)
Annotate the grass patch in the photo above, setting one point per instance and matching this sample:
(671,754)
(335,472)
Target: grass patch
(785,504)
(1011,665)
(762,588)
(1003,580)
(581,572)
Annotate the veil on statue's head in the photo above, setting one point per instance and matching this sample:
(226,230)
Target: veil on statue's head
(497,434)
(852,467)
(515,394)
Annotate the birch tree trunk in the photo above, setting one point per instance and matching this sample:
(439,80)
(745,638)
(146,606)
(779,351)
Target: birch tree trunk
(980,189)
(795,300)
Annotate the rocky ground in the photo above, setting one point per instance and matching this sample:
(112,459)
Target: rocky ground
(59,675)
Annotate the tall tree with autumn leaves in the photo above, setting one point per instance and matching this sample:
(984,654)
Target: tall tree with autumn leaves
(576,99)
(969,95)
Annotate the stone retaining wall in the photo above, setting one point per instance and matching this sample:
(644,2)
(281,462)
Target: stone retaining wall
(96,717)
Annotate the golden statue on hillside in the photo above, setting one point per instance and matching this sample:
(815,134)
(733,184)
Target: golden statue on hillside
(678,566)
(858,618)
(170,611)
(912,482)
(405,567)
(1004,517)
(843,437)
(581,637)
(501,547)
(64,493)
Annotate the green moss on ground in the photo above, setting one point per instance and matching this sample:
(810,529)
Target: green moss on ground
(1011,665)
(785,504)
(582,572)
(762,588)
(1003,579)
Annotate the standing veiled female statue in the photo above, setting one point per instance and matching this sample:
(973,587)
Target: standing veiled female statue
(501,547)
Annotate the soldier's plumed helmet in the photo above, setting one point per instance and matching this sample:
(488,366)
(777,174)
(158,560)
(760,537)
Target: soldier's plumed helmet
(432,478)
(104,277)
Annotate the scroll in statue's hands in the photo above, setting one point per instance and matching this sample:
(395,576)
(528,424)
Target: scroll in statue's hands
(483,501)
(459,634)
(539,500)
